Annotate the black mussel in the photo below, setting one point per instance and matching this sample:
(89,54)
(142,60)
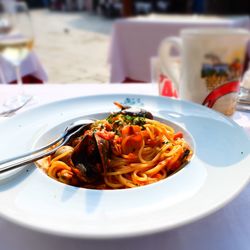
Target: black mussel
(133,111)
(90,156)
(137,112)
(76,130)
(103,150)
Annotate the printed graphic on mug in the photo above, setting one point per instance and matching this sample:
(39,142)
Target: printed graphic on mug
(217,72)
(221,79)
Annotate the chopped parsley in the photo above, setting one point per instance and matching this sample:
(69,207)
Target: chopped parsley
(126,119)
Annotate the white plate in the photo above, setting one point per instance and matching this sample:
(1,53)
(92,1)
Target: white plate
(217,173)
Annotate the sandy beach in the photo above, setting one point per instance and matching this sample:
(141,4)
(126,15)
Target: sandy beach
(73,46)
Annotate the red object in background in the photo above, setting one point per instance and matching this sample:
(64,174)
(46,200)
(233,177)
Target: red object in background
(167,88)
(29,79)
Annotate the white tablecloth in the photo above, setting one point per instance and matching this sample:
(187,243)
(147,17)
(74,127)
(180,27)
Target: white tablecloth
(136,40)
(226,229)
(30,66)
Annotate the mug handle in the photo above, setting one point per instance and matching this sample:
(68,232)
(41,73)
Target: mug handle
(168,62)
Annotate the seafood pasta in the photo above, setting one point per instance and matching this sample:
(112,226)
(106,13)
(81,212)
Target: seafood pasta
(127,149)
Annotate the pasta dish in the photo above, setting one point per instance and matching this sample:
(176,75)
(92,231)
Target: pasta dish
(127,149)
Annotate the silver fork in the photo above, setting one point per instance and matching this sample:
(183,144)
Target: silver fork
(242,107)
(10,112)
(70,132)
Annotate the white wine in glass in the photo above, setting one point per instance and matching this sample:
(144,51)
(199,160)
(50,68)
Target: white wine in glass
(15,49)
(18,41)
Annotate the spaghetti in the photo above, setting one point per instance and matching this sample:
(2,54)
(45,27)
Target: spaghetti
(125,150)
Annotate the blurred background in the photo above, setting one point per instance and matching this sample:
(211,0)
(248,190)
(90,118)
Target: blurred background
(72,37)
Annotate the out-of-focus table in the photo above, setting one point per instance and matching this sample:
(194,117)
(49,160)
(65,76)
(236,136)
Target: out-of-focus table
(31,66)
(228,228)
(136,40)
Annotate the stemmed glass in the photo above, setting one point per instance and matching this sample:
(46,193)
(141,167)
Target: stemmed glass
(244,93)
(17,41)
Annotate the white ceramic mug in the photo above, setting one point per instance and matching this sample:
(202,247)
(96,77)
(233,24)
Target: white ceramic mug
(211,65)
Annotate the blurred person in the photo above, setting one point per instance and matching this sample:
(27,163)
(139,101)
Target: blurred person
(46,3)
(143,7)
(128,8)
(95,4)
(227,7)
(35,3)
(160,6)
(57,4)
(178,6)
(80,4)
(70,5)
(111,8)
(198,6)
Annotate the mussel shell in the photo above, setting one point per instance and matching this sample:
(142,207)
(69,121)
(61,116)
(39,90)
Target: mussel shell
(77,131)
(103,150)
(132,111)
(90,156)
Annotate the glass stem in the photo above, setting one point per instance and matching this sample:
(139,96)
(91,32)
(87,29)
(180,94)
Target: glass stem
(18,76)
(19,79)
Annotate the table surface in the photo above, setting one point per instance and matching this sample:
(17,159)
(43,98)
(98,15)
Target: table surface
(228,228)
(129,59)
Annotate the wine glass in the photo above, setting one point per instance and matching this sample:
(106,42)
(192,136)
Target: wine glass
(16,41)
(5,27)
